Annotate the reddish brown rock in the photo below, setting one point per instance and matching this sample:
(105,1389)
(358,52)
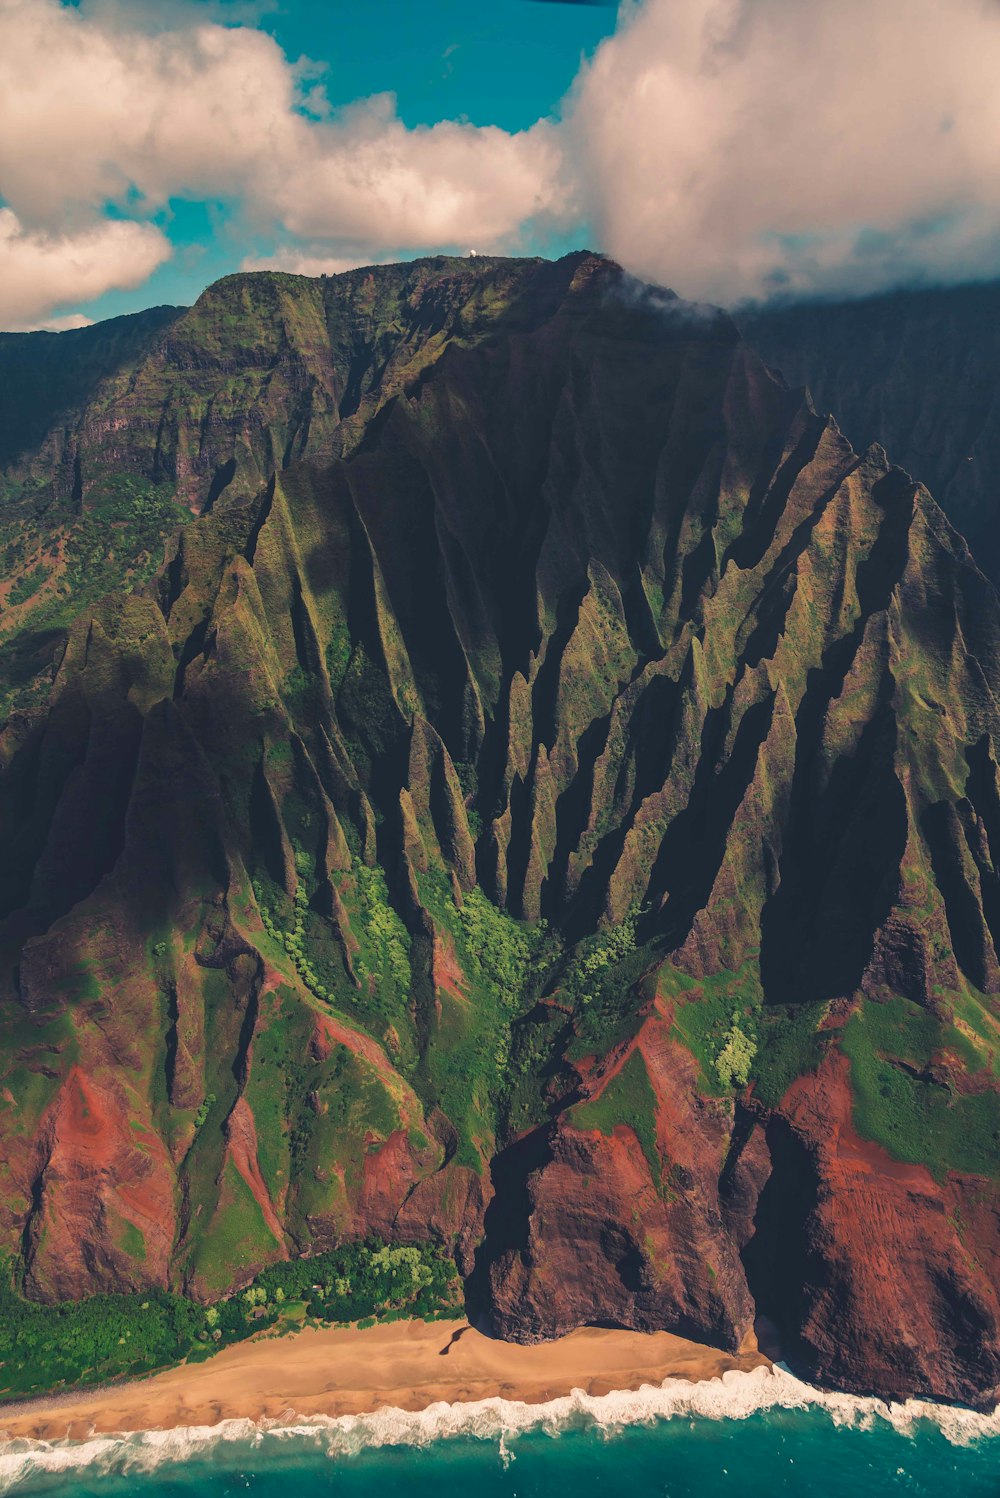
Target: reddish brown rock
(597,1238)
(882,1279)
(101,1188)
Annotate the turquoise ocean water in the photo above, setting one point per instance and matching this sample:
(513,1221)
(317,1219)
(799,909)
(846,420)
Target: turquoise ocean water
(674,1444)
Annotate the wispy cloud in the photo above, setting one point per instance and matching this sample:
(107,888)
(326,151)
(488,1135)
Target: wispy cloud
(306,262)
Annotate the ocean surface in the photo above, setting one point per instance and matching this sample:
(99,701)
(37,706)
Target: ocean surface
(748,1434)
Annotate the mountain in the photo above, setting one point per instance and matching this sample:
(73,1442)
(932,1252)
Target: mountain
(48,376)
(918,372)
(542,799)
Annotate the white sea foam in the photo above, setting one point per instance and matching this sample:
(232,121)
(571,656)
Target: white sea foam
(734,1396)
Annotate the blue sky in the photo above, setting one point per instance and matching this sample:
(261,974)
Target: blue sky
(729,149)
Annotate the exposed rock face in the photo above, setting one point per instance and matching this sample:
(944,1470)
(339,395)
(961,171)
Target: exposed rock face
(917,371)
(907,1263)
(598,1238)
(50,377)
(512,593)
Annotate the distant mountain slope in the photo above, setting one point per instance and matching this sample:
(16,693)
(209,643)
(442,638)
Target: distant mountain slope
(55,552)
(46,378)
(545,800)
(917,371)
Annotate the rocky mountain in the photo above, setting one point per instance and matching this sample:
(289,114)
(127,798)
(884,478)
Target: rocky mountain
(918,372)
(515,776)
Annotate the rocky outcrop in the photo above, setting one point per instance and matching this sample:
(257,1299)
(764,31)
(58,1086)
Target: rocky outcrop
(586,1227)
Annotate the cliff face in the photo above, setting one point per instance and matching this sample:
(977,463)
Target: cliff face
(918,372)
(545,800)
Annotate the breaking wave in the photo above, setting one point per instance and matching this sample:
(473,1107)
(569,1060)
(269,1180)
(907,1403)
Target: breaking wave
(734,1396)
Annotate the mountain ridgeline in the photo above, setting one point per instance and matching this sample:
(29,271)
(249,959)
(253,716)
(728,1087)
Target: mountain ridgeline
(918,372)
(485,762)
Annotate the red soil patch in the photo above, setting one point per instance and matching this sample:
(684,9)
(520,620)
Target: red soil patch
(329,1032)
(241,1136)
(824,1105)
(83,1126)
(447,970)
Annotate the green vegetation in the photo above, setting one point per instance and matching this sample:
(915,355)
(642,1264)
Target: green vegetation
(603,951)
(598,982)
(110,1336)
(237,1235)
(294,941)
(737,1039)
(382,961)
(318,1116)
(206,1107)
(338,654)
(29,583)
(387,956)
(913,1114)
(707,1012)
(976,1038)
(627,1099)
(788,1046)
(86,1341)
(499,950)
(116,537)
(300,692)
(735,1059)
(361,1280)
(78,554)
(502,961)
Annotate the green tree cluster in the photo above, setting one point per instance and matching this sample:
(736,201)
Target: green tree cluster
(735,1059)
(109,1336)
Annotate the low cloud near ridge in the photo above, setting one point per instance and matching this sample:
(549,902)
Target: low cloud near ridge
(737,148)
(728,148)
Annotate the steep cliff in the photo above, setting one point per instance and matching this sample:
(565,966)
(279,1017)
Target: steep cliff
(545,800)
(918,372)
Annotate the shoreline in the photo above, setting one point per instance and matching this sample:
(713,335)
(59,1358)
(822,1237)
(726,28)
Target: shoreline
(338,1371)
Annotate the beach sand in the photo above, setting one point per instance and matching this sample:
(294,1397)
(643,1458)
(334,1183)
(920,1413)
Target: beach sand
(346,1371)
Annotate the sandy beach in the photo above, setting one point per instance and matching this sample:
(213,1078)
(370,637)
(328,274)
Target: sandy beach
(342,1371)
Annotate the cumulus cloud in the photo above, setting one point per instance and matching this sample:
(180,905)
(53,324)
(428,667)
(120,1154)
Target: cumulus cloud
(368,179)
(95,109)
(729,148)
(743,147)
(92,111)
(41,270)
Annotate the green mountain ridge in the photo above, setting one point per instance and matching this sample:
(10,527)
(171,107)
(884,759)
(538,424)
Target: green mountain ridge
(914,370)
(541,799)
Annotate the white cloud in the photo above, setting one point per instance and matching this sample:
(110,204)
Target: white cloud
(731,147)
(91,110)
(95,109)
(369,180)
(68,322)
(725,147)
(40,270)
(306,262)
